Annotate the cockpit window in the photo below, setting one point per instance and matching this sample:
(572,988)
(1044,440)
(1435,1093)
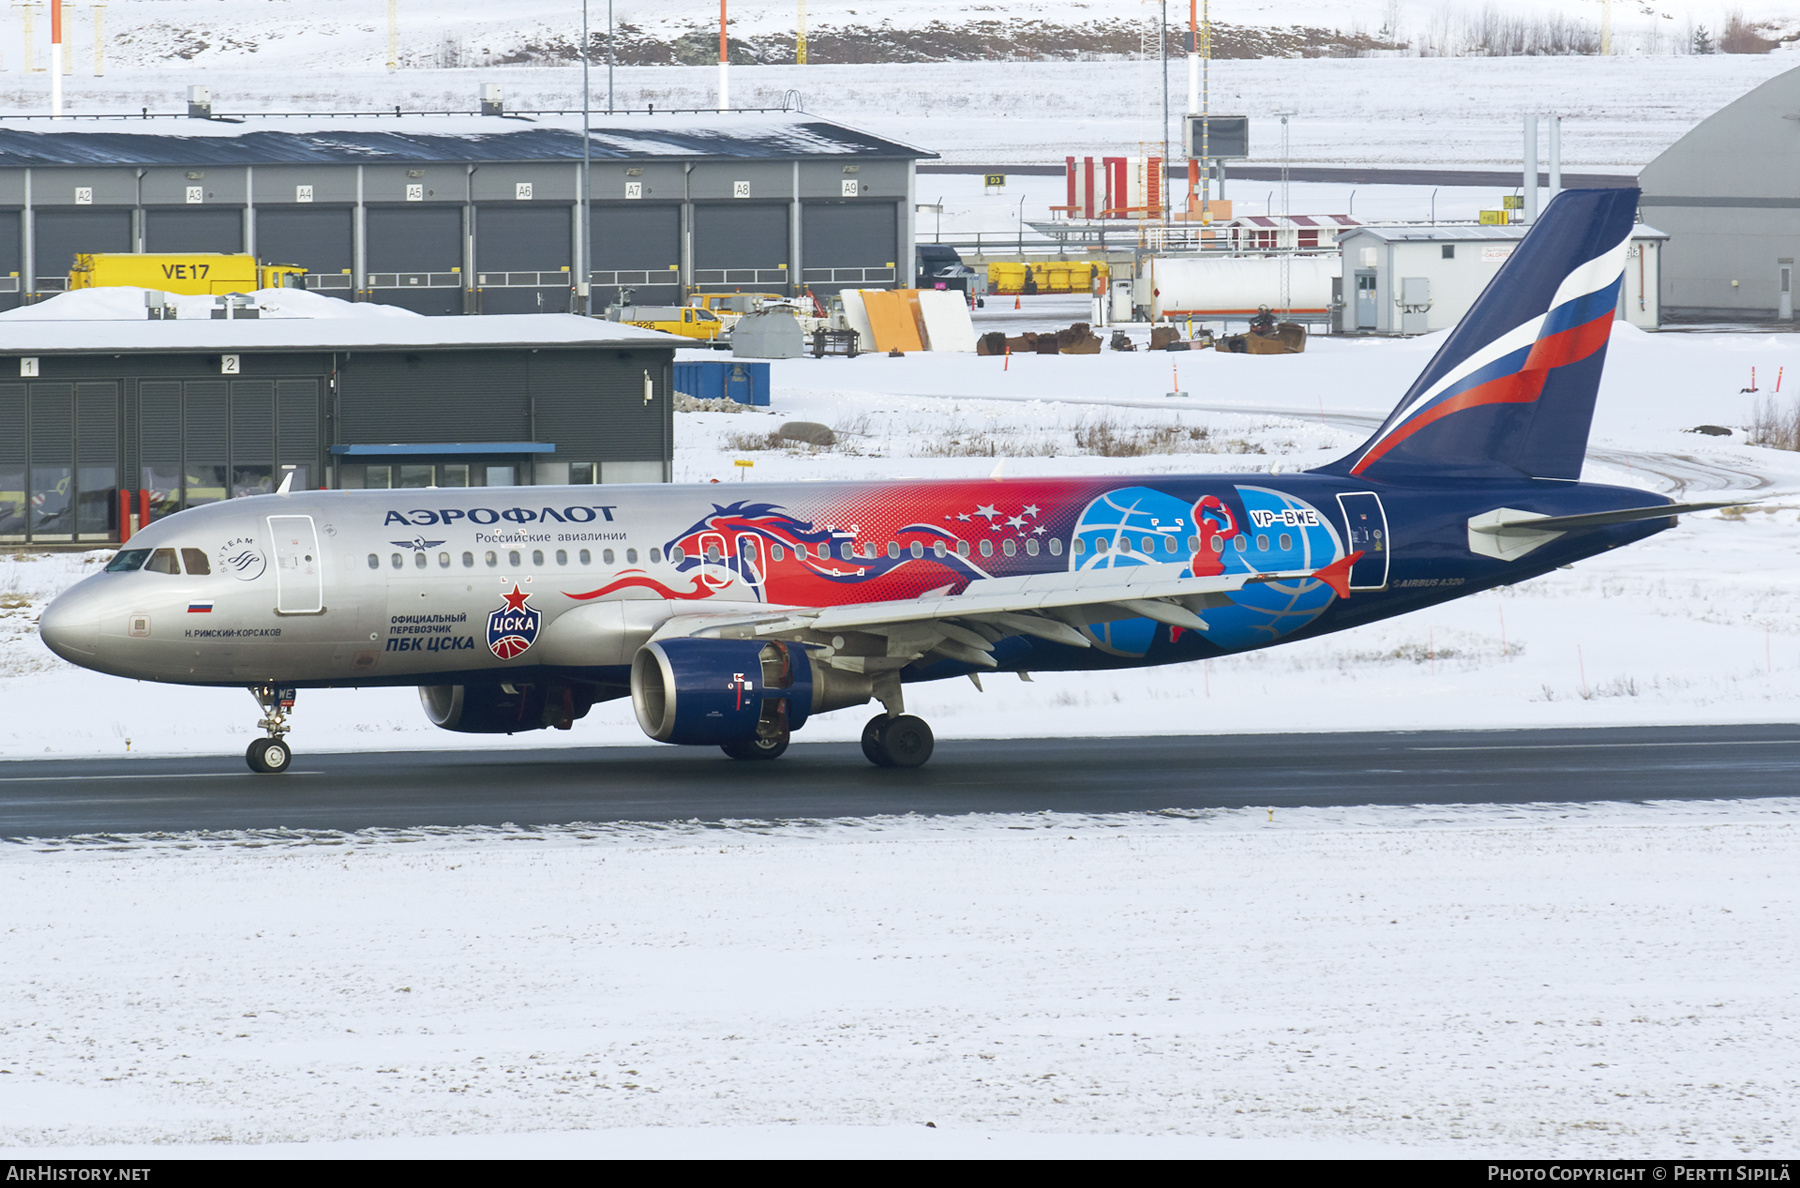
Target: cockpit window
(163,561)
(128,560)
(194,561)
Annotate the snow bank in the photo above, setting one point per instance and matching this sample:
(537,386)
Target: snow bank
(125,303)
(1544,981)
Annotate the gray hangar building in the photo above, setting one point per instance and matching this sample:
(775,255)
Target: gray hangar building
(1728,195)
(450,214)
(166,415)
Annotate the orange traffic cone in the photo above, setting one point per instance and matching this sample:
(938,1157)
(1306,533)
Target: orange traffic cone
(1016,304)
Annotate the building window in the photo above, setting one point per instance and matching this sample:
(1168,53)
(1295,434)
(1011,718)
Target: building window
(1449,251)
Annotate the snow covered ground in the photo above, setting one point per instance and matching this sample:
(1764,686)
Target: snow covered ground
(1538,981)
(1718,595)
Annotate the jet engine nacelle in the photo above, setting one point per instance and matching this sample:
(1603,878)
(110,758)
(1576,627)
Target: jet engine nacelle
(718,691)
(506,708)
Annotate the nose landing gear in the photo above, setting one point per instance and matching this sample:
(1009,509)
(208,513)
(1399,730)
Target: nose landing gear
(271,755)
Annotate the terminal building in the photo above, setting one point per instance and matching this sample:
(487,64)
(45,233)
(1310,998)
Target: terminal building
(1728,194)
(106,423)
(465,214)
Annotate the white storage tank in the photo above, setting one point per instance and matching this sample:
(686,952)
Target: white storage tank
(1238,286)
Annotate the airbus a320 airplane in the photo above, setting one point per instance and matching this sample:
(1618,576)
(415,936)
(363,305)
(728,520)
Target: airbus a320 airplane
(731,622)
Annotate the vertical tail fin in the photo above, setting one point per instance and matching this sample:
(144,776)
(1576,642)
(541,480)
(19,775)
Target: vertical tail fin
(1511,392)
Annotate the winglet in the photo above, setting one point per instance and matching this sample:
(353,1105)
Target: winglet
(1337,574)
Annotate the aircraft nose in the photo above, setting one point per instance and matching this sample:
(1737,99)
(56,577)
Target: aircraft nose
(70,627)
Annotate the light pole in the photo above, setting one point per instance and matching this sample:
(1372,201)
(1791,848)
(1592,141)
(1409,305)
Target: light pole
(584,274)
(1021,223)
(609,56)
(1162,183)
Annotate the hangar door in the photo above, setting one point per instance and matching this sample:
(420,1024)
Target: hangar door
(200,441)
(216,229)
(415,257)
(635,247)
(11,269)
(59,457)
(63,234)
(741,245)
(523,255)
(316,238)
(848,245)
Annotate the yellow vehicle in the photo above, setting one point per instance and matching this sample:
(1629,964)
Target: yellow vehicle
(194,273)
(1046,276)
(685,320)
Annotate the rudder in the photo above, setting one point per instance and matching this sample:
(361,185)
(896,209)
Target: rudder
(1511,392)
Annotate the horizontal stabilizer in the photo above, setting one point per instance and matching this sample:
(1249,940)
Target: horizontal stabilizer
(1629,515)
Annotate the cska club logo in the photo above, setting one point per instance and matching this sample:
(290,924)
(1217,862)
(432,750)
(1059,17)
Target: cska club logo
(514,627)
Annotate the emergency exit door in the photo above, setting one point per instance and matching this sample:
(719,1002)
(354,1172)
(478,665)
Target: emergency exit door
(299,576)
(1365,532)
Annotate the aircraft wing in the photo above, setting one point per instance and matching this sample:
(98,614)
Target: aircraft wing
(872,637)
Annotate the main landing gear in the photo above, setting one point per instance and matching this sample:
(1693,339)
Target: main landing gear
(898,741)
(270,755)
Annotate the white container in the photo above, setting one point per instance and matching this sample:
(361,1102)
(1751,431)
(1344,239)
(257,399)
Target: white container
(1237,287)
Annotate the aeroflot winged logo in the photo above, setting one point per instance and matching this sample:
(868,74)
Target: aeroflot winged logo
(514,627)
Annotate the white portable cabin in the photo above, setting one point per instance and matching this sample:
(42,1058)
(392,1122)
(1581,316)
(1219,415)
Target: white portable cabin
(1413,280)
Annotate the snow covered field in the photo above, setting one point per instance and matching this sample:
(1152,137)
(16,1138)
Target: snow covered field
(1541,981)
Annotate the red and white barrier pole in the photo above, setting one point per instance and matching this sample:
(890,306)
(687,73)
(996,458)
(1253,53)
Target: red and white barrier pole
(56,59)
(724,64)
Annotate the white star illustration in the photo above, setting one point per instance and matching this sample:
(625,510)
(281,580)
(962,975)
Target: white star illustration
(990,511)
(1038,531)
(964,517)
(1016,522)
(1031,509)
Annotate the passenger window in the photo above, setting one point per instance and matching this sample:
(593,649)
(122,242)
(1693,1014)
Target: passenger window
(443,560)
(712,554)
(938,550)
(1078,546)
(395,561)
(962,548)
(512,558)
(194,561)
(1010,548)
(893,550)
(419,561)
(537,558)
(1262,543)
(468,560)
(1287,542)
(656,556)
(1149,543)
(606,556)
(1031,546)
(163,561)
(676,554)
(127,561)
(587,558)
(562,556)
(775,551)
(1193,544)
(845,550)
(631,556)
(374,561)
(1218,544)
(987,548)
(493,558)
(1056,546)
(917,549)
(1099,544)
(1241,544)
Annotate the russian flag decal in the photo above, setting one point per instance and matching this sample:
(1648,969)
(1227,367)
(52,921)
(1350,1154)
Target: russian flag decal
(199,608)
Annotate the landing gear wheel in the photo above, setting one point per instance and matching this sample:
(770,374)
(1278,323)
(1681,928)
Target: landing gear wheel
(907,741)
(871,742)
(268,756)
(757,748)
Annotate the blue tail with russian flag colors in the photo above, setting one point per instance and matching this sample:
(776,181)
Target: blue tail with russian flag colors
(1511,392)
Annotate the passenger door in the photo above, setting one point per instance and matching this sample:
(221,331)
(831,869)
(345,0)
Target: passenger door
(299,573)
(1365,531)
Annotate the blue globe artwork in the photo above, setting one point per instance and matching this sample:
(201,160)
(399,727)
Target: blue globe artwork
(1266,531)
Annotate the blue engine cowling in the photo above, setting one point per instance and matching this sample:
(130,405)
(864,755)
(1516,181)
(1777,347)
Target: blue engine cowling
(709,692)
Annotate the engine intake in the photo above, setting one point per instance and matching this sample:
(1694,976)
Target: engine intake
(702,692)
